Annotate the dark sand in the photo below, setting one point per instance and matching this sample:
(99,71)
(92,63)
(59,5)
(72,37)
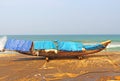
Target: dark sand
(103,66)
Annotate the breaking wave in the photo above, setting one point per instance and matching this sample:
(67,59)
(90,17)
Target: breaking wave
(113,46)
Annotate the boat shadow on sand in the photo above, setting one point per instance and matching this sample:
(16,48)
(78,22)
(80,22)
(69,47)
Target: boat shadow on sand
(59,58)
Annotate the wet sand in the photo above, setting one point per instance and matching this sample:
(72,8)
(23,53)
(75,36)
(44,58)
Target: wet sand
(103,66)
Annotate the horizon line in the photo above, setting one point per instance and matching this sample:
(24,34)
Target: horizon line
(59,34)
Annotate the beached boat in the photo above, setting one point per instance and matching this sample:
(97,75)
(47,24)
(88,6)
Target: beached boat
(85,50)
(50,49)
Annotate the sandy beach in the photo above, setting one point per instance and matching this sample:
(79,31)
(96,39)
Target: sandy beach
(87,30)
(103,66)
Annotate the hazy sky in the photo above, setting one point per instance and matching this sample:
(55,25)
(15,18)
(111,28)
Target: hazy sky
(59,17)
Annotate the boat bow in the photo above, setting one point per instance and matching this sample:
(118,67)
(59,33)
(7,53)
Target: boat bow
(105,43)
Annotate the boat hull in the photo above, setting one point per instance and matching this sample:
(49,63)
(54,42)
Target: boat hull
(69,54)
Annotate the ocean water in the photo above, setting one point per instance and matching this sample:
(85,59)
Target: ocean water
(86,39)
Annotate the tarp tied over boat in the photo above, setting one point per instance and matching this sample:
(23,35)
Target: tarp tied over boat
(69,46)
(43,45)
(94,47)
(18,45)
(2,42)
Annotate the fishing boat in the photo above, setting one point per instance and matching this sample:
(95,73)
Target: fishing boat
(40,50)
(52,49)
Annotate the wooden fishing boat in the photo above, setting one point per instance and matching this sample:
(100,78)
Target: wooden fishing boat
(79,54)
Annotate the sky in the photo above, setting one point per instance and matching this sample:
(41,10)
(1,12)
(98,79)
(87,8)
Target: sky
(29,17)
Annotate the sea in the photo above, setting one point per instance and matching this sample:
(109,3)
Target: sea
(85,39)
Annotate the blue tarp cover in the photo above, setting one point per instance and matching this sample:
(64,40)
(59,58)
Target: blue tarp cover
(94,47)
(42,45)
(18,45)
(69,46)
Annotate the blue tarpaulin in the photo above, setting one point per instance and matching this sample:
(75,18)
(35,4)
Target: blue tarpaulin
(69,46)
(42,45)
(94,47)
(18,45)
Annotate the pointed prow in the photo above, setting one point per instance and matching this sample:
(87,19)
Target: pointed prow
(106,42)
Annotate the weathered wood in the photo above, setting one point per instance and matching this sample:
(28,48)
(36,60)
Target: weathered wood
(47,59)
(79,54)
